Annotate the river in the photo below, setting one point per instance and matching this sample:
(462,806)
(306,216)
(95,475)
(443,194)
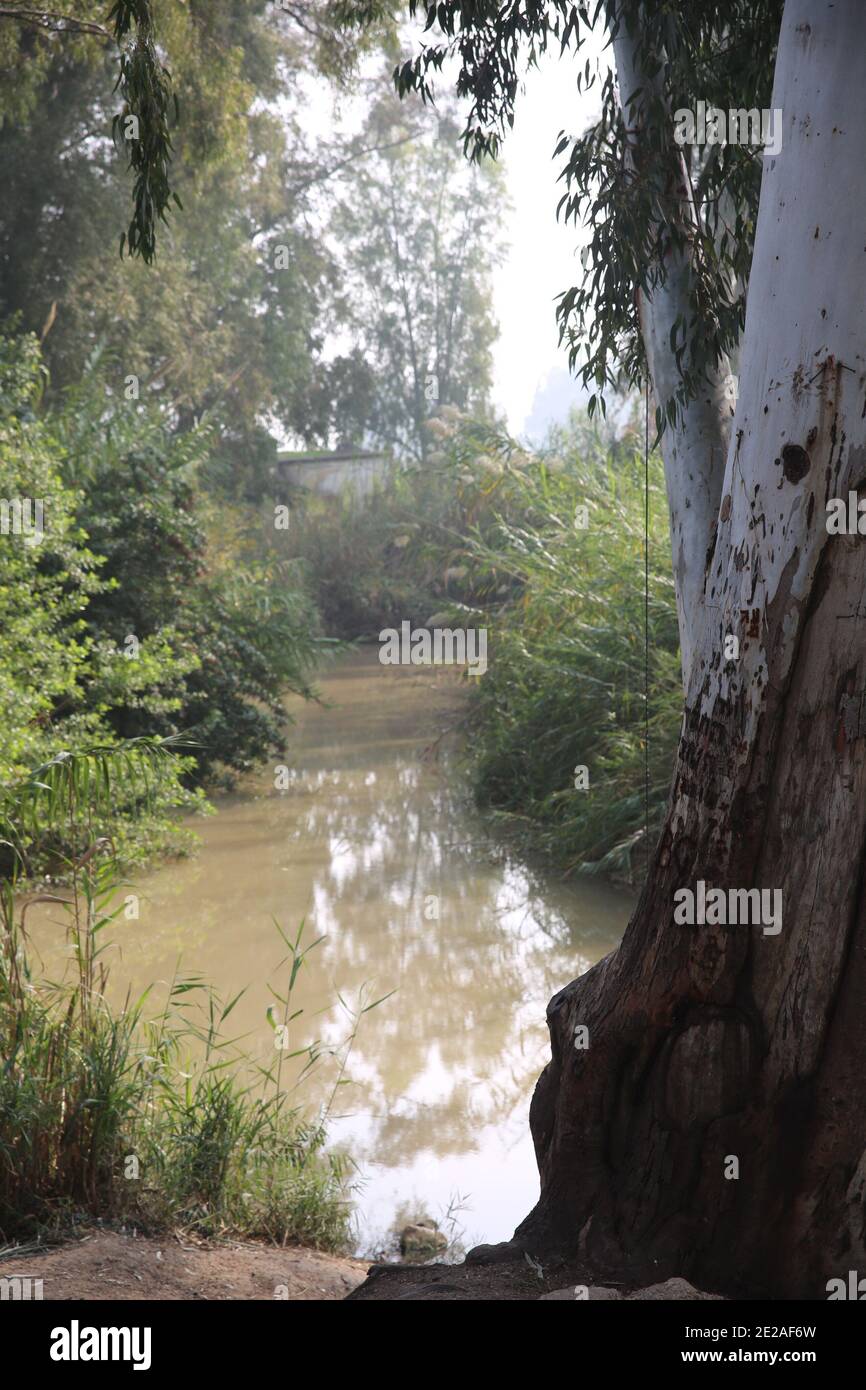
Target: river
(373,845)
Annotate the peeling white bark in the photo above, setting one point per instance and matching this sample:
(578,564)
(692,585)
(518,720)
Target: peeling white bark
(800,439)
(803,365)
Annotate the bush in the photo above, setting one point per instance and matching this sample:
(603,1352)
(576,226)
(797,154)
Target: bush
(569,662)
(222,623)
(54,669)
(146,610)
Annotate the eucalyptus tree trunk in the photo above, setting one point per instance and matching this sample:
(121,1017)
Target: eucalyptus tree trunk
(715,1124)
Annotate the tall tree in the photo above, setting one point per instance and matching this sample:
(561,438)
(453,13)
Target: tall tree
(713,1126)
(229,319)
(416,238)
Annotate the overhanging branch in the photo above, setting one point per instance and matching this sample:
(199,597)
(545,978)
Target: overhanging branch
(53,22)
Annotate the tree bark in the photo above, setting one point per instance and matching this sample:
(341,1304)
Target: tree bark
(708,1043)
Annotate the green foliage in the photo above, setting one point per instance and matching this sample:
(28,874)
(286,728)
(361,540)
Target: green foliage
(33,41)
(568,659)
(145,611)
(231,318)
(43,583)
(222,626)
(208,48)
(257,633)
(359,560)
(51,663)
(145,86)
(637,207)
(403,552)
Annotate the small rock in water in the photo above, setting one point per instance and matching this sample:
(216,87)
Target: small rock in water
(421,1240)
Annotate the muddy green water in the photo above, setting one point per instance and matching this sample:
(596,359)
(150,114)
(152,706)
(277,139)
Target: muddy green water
(370,840)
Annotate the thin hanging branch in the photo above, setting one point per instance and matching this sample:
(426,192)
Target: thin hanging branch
(141,128)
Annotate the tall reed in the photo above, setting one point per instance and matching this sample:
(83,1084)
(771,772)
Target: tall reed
(124,1115)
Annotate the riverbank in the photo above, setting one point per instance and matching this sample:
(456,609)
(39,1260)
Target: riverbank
(102,1265)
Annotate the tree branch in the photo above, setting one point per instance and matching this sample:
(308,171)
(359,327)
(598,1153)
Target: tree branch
(53,22)
(355,154)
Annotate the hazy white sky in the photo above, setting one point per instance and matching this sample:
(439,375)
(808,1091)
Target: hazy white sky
(543,257)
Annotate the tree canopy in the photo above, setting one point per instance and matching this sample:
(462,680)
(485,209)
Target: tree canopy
(632,201)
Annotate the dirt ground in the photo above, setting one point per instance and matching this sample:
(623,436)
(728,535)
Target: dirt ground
(460,1283)
(104,1264)
(499,1273)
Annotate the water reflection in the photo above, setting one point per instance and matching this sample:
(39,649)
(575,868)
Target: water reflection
(374,846)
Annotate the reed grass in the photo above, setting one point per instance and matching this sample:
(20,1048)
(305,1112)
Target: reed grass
(151,1118)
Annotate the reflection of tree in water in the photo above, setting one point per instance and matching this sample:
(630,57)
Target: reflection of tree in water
(459,1043)
(356,851)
